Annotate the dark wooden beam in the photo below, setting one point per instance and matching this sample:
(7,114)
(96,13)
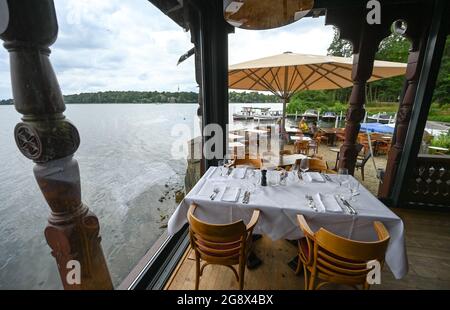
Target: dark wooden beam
(209,32)
(50,140)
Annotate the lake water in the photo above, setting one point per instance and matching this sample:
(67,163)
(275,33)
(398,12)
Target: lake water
(126,167)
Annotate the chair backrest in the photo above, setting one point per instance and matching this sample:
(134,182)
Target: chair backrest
(248,161)
(224,243)
(366,158)
(359,148)
(317,165)
(342,257)
(301,146)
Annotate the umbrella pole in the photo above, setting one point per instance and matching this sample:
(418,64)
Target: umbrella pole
(283,119)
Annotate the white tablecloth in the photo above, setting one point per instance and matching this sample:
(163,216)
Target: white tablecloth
(280,205)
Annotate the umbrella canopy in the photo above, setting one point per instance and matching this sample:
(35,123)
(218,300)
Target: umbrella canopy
(287,73)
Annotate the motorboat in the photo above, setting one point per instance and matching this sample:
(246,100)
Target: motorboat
(247,113)
(329,117)
(310,114)
(382,117)
(266,115)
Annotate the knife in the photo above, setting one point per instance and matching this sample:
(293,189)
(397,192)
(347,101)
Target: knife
(350,208)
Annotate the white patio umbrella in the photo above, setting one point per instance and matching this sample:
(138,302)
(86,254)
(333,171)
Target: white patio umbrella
(287,73)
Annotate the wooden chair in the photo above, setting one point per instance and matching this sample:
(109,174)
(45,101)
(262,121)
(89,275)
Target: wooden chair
(314,144)
(226,245)
(317,165)
(360,163)
(301,147)
(334,259)
(322,137)
(383,147)
(286,152)
(247,161)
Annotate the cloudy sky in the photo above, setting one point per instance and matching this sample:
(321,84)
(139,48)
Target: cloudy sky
(130,45)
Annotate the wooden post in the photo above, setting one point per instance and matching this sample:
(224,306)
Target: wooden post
(50,140)
(365,39)
(209,33)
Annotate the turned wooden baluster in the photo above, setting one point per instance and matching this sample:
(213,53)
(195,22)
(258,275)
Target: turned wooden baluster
(50,140)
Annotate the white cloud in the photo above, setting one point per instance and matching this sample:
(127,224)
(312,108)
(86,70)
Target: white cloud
(130,45)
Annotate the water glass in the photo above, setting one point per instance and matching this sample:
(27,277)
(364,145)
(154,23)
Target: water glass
(342,176)
(304,165)
(354,189)
(274,177)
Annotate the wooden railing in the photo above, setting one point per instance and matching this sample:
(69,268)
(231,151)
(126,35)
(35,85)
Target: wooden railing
(429,183)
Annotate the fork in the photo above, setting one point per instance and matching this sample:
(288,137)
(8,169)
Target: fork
(311,203)
(214,194)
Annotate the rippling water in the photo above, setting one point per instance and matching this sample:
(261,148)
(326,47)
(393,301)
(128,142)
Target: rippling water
(126,167)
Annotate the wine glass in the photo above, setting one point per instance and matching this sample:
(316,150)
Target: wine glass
(304,165)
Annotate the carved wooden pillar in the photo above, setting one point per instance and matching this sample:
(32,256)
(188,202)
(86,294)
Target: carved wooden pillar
(50,140)
(365,39)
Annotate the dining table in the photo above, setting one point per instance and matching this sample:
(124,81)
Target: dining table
(280,203)
(300,138)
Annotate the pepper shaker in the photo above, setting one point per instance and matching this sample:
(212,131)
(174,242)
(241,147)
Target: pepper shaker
(263,177)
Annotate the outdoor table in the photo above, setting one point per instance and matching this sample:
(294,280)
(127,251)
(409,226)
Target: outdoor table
(233,136)
(257,131)
(331,134)
(299,138)
(337,151)
(235,146)
(280,205)
(293,130)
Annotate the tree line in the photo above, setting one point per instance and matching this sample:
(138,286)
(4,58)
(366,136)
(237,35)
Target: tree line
(112,97)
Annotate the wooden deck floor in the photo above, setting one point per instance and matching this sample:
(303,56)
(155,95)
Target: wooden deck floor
(428,247)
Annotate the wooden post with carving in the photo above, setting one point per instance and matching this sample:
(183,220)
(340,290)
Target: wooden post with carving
(365,39)
(50,140)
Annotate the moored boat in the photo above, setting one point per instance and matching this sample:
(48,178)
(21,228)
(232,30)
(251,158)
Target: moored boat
(329,117)
(246,113)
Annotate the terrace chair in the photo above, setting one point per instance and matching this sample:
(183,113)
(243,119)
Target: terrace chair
(314,144)
(316,165)
(247,161)
(322,137)
(360,163)
(329,258)
(227,244)
(301,147)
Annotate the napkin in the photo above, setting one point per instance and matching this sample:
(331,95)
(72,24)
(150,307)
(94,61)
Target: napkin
(315,177)
(231,194)
(208,188)
(217,172)
(326,203)
(239,173)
